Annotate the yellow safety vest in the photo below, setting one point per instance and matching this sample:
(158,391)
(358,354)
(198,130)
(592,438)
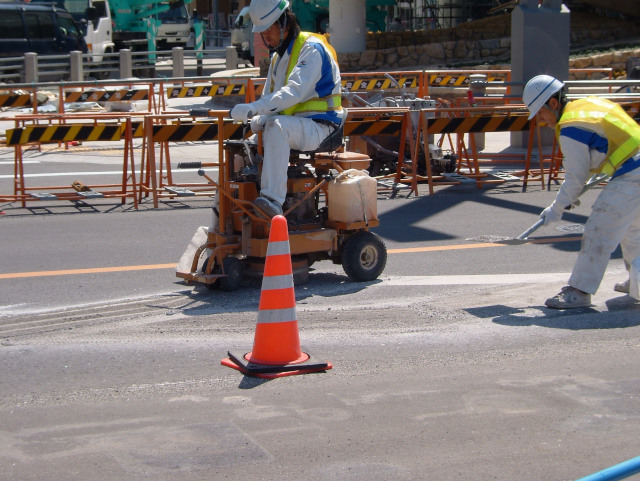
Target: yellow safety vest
(316,104)
(622,132)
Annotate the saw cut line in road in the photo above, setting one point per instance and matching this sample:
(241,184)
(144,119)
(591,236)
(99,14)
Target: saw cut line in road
(103,270)
(480,245)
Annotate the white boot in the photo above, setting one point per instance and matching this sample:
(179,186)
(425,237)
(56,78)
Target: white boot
(569,298)
(622,286)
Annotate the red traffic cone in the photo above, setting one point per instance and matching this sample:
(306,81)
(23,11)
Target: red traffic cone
(276,346)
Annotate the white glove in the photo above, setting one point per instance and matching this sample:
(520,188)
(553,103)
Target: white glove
(551,214)
(243,112)
(258,122)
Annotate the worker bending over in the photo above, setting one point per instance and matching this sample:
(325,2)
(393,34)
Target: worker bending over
(300,105)
(595,136)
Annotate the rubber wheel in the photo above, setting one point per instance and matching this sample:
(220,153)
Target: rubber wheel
(233,268)
(215,284)
(364,256)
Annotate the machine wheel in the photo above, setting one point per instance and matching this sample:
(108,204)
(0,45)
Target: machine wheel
(364,256)
(233,268)
(215,284)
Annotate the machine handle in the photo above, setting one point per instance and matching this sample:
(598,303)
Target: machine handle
(199,112)
(189,165)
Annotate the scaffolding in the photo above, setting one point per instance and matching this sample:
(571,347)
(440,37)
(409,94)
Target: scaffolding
(432,14)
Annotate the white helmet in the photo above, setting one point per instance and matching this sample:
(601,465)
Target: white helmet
(538,90)
(264,13)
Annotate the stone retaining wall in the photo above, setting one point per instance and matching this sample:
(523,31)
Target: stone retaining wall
(484,43)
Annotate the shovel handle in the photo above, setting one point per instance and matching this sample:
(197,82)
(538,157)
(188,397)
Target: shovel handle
(531,229)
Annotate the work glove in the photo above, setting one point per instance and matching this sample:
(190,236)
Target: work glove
(243,112)
(258,122)
(551,214)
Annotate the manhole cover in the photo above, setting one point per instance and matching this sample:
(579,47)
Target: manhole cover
(571,228)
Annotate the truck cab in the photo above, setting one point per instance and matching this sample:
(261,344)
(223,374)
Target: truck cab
(242,35)
(175,26)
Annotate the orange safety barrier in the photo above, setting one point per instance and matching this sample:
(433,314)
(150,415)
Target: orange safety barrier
(375,81)
(113,92)
(218,87)
(276,347)
(56,128)
(461,77)
(362,127)
(470,120)
(20,100)
(164,128)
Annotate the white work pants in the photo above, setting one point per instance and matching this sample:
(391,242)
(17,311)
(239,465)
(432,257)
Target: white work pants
(281,134)
(614,219)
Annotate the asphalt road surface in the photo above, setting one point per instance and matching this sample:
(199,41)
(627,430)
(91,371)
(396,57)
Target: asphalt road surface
(447,367)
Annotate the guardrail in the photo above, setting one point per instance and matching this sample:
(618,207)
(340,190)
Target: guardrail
(76,66)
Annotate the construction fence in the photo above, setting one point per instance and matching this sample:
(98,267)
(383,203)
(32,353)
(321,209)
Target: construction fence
(398,119)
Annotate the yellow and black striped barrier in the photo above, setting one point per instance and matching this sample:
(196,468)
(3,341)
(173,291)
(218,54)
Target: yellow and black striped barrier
(206,91)
(106,95)
(64,133)
(18,100)
(487,123)
(372,127)
(458,80)
(197,131)
(379,84)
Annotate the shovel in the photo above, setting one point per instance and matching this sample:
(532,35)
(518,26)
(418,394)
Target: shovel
(524,237)
(514,241)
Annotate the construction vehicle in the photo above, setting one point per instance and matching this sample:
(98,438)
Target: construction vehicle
(330,208)
(313,16)
(175,26)
(136,24)
(111,25)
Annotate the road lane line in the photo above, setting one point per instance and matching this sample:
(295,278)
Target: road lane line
(102,270)
(95,270)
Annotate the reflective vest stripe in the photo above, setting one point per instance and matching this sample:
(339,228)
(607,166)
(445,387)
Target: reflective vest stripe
(622,132)
(316,104)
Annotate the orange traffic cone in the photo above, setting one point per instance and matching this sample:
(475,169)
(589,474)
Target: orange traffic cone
(276,346)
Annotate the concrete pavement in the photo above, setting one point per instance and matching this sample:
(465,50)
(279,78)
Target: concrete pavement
(447,367)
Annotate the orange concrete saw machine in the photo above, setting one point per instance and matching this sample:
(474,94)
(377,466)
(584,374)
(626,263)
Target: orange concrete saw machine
(330,207)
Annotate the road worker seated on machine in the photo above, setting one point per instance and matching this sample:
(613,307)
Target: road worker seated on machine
(595,136)
(300,105)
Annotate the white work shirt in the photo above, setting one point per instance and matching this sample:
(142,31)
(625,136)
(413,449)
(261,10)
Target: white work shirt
(315,75)
(584,149)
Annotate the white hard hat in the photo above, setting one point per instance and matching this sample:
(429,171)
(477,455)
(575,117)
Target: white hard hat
(264,13)
(538,90)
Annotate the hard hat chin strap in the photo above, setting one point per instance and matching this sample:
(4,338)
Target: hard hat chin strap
(283,28)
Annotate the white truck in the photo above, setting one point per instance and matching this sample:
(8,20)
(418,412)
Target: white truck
(175,26)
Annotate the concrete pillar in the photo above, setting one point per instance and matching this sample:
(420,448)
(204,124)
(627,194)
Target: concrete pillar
(231,55)
(540,36)
(126,63)
(177,55)
(30,67)
(348,25)
(75,67)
